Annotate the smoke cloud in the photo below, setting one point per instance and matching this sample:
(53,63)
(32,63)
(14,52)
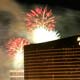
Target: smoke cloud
(11,25)
(67,21)
(11,20)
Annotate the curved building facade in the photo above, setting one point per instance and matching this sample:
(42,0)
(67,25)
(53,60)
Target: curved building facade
(55,60)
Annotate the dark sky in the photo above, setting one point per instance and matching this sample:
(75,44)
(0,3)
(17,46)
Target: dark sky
(72,4)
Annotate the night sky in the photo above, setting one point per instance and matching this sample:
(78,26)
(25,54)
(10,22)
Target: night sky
(12,14)
(67,13)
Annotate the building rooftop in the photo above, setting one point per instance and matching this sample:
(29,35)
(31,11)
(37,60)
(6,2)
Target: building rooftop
(70,42)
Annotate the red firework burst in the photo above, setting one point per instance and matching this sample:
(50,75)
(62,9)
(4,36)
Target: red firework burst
(40,17)
(16,45)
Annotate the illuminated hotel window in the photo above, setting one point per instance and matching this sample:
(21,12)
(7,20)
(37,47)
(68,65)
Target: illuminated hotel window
(79,43)
(78,39)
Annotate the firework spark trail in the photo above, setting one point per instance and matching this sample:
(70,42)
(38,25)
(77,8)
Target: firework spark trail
(16,45)
(40,17)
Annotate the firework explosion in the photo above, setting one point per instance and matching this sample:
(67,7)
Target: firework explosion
(16,45)
(40,24)
(16,51)
(40,17)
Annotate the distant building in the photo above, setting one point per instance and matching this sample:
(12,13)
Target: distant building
(16,74)
(55,60)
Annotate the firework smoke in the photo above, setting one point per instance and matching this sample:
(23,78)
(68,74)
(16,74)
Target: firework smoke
(67,21)
(11,25)
(4,65)
(11,21)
